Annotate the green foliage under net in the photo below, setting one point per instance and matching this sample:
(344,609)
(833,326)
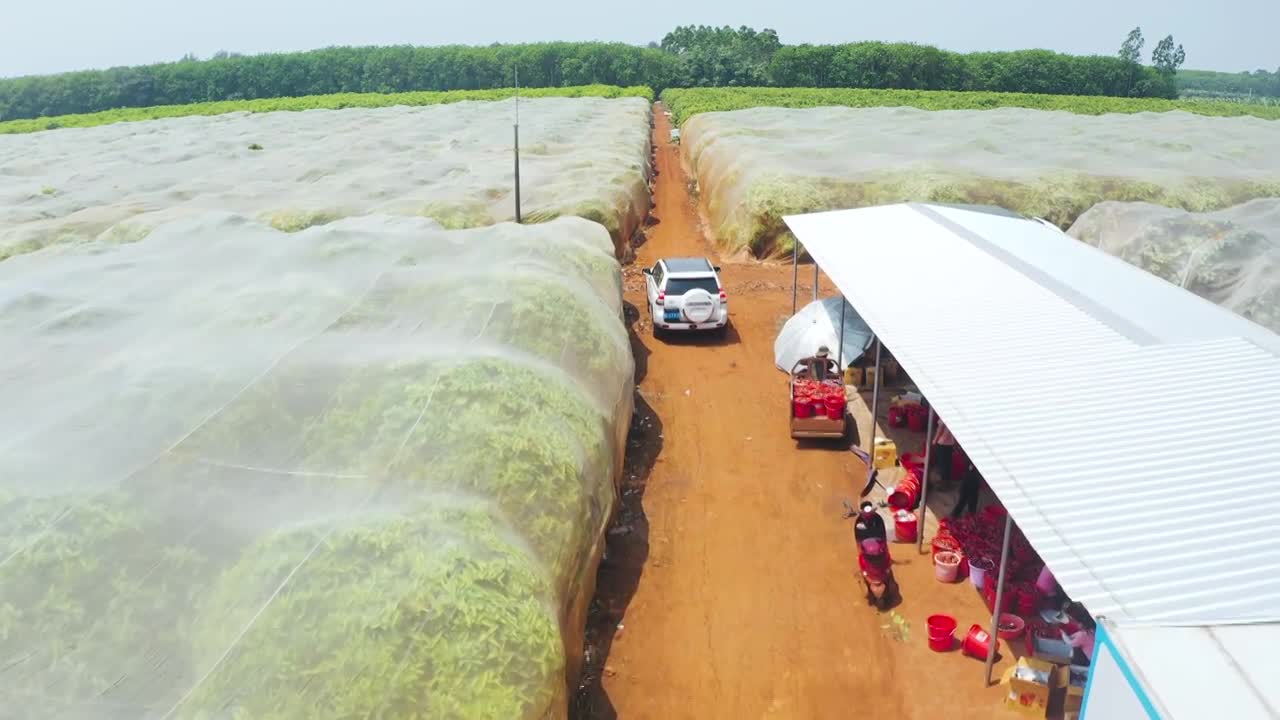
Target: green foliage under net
(432,615)
(685,103)
(337,101)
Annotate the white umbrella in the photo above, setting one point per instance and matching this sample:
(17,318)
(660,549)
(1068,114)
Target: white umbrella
(818,324)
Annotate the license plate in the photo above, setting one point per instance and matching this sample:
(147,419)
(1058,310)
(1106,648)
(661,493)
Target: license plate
(671,316)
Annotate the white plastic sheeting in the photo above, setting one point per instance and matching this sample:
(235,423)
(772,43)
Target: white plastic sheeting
(362,470)
(818,324)
(579,156)
(1231,257)
(755,166)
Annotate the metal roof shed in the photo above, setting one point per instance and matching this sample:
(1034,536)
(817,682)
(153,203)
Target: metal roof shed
(1102,405)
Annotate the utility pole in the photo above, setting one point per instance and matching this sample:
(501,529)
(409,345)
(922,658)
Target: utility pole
(517,146)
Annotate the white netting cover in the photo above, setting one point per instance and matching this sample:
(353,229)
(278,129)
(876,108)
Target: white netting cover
(587,157)
(362,470)
(755,166)
(1231,256)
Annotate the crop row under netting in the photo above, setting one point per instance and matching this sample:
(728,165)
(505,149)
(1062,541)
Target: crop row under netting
(587,157)
(361,470)
(755,166)
(1230,256)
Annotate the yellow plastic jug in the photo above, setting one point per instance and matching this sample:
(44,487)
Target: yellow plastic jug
(853,376)
(886,454)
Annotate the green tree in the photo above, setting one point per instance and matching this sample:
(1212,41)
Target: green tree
(1131,48)
(715,56)
(1166,57)
(1131,55)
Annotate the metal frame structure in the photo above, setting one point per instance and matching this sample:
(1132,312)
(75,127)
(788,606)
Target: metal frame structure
(928,454)
(1043,301)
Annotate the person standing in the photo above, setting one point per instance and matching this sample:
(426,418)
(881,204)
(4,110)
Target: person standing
(970,485)
(944,448)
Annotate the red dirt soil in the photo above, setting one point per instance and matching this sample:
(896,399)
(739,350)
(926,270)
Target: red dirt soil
(730,588)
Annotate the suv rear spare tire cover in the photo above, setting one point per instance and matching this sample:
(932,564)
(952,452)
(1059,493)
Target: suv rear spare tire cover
(698,306)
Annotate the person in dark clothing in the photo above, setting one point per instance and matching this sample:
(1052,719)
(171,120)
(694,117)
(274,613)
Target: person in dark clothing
(970,484)
(873,557)
(869,526)
(944,447)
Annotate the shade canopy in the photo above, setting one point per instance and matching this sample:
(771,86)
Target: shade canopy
(1128,425)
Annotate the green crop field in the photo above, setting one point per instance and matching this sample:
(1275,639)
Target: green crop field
(312,102)
(687,103)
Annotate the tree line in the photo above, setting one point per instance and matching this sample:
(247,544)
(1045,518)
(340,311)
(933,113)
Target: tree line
(690,56)
(1259,83)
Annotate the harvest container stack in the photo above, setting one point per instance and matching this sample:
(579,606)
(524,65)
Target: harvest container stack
(362,470)
(1030,624)
(813,398)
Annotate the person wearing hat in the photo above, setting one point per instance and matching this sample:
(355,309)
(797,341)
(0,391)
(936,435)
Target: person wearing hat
(822,367)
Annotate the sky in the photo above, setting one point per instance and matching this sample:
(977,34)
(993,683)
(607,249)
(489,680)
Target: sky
(59,35)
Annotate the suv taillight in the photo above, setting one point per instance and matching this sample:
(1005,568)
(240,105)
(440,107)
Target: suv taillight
(723,297)
(662,298)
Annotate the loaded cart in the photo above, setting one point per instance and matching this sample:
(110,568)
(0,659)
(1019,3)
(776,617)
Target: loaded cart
(819,408)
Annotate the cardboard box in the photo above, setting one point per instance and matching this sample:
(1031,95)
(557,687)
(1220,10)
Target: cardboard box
(1031,684)
(1074,678)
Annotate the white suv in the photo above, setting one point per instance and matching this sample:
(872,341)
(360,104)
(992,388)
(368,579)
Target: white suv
(686,294)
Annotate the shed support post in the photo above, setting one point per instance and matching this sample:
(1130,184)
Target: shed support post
(815,280)
(875,406)
(924,483)
(995,614)
(840,350)
(795,275)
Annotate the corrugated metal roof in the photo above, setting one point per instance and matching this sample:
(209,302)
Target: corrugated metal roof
(1129,426)
(1184,667)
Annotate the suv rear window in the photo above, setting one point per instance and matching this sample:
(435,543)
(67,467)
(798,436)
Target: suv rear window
(679,286)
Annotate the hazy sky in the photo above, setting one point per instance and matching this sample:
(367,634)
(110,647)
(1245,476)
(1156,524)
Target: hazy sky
(55,35)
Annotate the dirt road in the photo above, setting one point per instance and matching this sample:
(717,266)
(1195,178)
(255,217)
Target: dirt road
(731,589)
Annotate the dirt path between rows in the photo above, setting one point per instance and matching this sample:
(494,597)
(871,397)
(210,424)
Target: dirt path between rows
(730,589)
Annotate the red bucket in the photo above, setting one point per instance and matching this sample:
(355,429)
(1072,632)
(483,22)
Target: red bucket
(897,416)
(835,407)
(942,629)
(802,407)
(978,642)
(945,543)
(904,526)
(913,463)
(904,496)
